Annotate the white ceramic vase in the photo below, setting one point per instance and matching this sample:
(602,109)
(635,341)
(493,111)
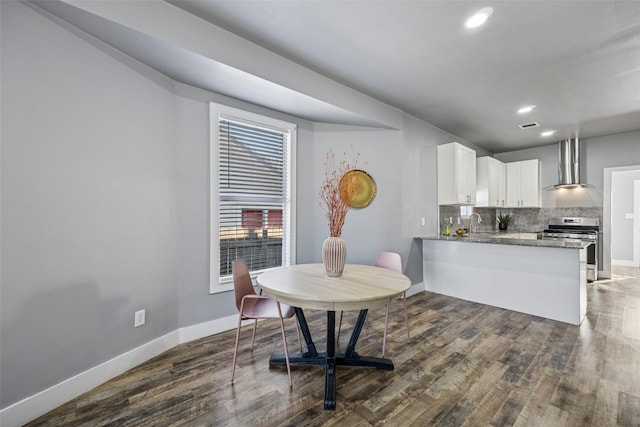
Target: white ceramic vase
(334,256)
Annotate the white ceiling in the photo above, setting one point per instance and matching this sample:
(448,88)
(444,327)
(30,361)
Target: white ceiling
(577,61)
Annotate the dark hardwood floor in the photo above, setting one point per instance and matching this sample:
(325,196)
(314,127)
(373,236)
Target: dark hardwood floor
(467,364)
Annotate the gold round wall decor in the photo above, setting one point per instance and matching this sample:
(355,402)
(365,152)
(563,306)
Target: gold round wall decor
(358,188)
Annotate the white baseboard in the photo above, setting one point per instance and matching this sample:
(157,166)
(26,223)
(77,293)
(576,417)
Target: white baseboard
(623,263)
(34,406)
(415,289)
(205,329)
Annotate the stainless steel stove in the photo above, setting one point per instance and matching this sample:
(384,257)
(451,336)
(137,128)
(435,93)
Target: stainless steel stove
(578,229)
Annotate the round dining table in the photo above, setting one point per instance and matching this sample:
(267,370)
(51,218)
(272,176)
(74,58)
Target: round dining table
(307,286)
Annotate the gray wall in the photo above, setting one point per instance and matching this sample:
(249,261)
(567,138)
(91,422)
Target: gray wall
(403,165)
(105,206)
(619,150)
(596,154)
(88,206)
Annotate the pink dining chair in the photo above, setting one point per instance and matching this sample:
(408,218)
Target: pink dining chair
(392,261)
(253,306)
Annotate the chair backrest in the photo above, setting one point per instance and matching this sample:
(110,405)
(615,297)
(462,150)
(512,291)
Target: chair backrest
(390,260)
(242,284)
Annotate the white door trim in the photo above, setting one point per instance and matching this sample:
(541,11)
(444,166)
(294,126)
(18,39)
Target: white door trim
(605,272)
(636,223)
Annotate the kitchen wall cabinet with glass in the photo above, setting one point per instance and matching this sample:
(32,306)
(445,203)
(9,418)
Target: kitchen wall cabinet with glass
(491,184)
(523,184)
(456,174)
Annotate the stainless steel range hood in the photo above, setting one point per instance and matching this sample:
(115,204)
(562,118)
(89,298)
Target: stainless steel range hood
(569,164)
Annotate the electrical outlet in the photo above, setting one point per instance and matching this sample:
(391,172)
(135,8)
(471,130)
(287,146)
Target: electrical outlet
(139,318)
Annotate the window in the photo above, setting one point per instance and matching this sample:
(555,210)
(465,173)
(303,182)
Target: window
(466,211)
(251,218)
(251,186)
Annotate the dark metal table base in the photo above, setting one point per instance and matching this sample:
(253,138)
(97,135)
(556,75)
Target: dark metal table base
(329,358)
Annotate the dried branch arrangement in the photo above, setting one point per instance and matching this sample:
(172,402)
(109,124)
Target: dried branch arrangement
(334,194)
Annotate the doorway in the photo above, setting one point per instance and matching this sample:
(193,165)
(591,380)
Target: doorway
(608,238)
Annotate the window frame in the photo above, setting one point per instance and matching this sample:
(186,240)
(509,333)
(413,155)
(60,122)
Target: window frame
(217,112)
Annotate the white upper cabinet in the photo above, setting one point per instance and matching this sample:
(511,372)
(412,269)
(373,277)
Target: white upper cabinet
(491,184)
(456,174)
(523,184)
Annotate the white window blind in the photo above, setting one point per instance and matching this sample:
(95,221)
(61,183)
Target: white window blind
(252,217)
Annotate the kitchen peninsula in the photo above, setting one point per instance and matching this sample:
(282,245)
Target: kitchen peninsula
(545,278)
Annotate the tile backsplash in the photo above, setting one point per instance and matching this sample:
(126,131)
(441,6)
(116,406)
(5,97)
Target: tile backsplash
(522,219)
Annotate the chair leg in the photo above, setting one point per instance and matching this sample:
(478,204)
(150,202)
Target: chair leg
(406,316)
(295,318)
(384,336)
(339,326)
(235,349)
(253,337)
(286,349)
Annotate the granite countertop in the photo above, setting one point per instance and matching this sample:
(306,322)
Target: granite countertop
(511,238)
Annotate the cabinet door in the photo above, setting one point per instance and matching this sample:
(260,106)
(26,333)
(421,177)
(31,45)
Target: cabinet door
(461,177)
(456,174)
(471,175)
(490,182)
(513,185)
(530,183)
(483,192)
(501,184)
(466,174)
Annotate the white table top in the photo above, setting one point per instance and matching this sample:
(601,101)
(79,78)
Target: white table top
(308,286)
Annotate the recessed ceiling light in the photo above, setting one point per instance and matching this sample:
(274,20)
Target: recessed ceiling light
(479,18)
(527,109)
(548,133)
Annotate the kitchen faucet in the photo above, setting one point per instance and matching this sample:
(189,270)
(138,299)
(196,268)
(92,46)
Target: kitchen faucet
(471,218)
